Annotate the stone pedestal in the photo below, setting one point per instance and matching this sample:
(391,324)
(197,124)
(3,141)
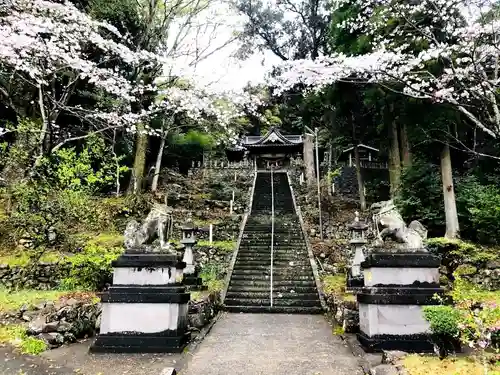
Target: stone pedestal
(145,311)
(396,288)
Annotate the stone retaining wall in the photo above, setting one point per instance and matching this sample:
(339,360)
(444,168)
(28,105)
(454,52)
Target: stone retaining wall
(65,322)
(40,276)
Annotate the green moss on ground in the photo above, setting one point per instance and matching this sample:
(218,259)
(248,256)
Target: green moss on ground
(15,335)
(336,285)
(22,258)
(12,300)
(415,364)
(464,250)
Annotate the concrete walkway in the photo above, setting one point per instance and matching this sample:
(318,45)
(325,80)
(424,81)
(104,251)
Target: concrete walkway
(272,344)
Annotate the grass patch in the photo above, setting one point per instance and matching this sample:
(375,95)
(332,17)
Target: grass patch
(224,246)
(15,335)
(107,239)
(424,365)
(334,284)
(23,258)
(12,300)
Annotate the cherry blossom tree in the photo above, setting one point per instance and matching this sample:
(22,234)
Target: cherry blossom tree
(52,47)
(448,59)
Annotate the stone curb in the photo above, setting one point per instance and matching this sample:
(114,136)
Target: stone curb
(357,351)
(192,347)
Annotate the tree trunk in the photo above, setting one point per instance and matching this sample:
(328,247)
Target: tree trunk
(139,160)
(394,159)
(361,184)
(405,147)
(450,206)
(159,157)
(309,159)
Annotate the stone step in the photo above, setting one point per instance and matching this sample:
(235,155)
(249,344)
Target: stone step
(267,302)
(276,283)
(261,277)
(276,295)
(267,287)
(277,263)
(274,309)
(284,270)
(277,267)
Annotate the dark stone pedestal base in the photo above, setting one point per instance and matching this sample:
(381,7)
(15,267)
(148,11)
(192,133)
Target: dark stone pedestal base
(194,283)
(164,342)
(421,343)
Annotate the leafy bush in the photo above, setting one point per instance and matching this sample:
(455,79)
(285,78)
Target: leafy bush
(92,169)
(91,269)
(456,254)
(45,215)
(479,314)
(444,320)
(212,275)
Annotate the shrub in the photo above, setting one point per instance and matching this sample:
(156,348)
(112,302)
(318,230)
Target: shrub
(91,269)
(443,320)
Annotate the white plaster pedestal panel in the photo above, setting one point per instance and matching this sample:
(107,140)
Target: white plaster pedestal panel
(144,276)
(399,275)
(392,319)
(142,317)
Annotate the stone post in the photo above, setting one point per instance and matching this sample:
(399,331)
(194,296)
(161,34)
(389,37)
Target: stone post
(309,159)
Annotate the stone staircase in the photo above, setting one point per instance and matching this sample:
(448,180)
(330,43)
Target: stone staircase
(293,284)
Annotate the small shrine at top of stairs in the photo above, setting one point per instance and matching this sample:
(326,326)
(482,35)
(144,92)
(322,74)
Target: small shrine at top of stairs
(274,149)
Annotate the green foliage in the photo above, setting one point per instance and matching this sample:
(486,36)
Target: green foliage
(213,274)
(478,205)
(16,335)
(479,208)
(91,269)
(45,215)
(462,251)
(443,320)
(479,314)
(420,196)
(91,169)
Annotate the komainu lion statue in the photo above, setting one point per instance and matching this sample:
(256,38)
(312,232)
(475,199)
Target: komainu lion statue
(389,224)
(157,225)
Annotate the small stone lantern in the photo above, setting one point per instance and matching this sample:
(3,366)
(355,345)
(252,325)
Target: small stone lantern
(188,240)
(356,254)
(191,278)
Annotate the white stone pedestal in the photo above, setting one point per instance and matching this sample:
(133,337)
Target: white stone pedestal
(145,311)
(397,287)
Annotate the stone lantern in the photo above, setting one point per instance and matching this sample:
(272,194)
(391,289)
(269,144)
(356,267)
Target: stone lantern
(189,241)
(190,278)
(356,254)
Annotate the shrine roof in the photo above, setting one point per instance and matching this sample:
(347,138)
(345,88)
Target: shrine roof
(273,138)
(362,146)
